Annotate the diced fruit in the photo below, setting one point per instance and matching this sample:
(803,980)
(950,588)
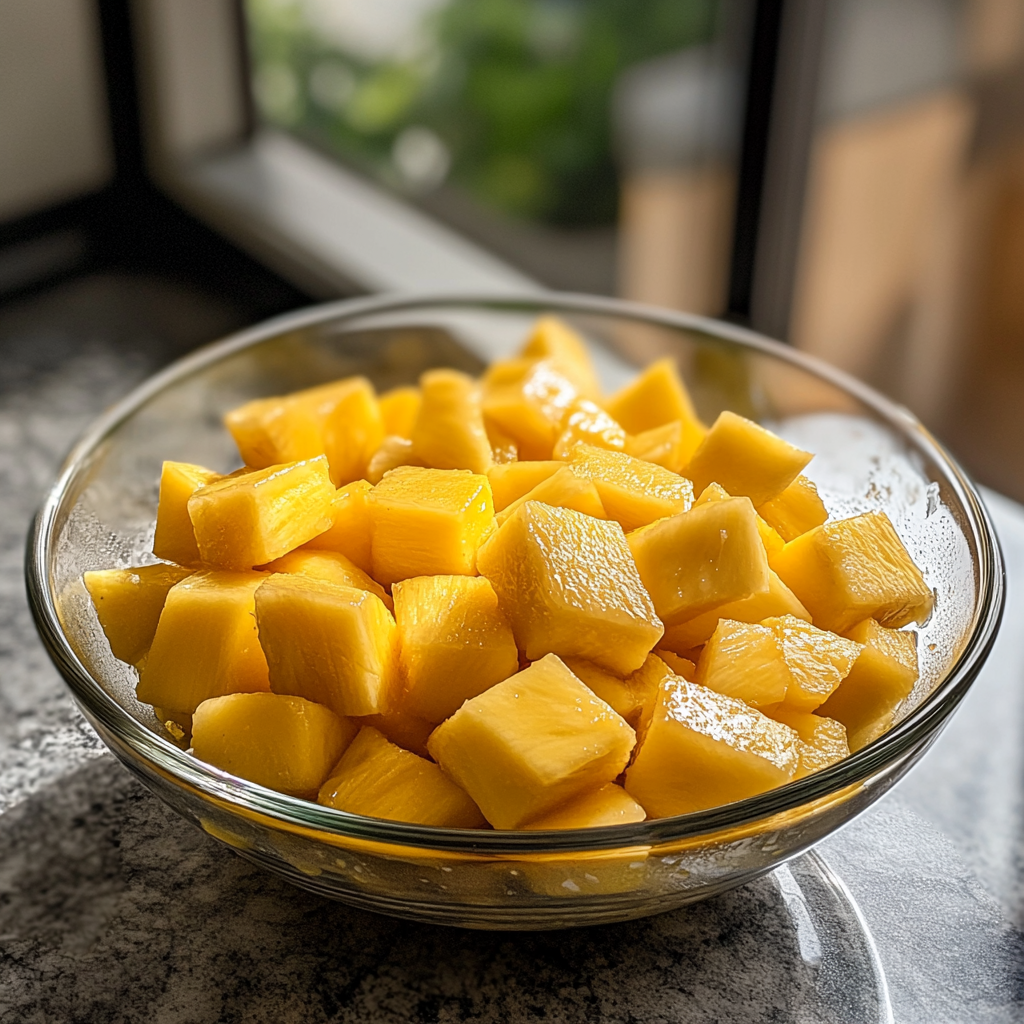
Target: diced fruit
(515,479)
(628,697)
(331,566)
(818,661)
(633,492)
(701,749)
(745,459)
(381,780)
(568,585)
(777,600)
(658,396)
(854,569)
(701,559)
(128,604)
(428,522)
(449,429)
(744,660)
(661,445)
(332,644)
(175,540)
(353,431)
(454,642)
(205,643)
(404,730)
(531,743)
(250,520)
(588,423)
(608,805)
(563,489)
(555,340)
(398,409)
(770,538)
(880,679)
(393,452)
(284,743)
(504,449)
(796,510)
(823,740)
(679,665)
(349,533)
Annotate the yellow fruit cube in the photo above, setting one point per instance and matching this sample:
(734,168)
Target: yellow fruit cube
(250,520)
(628,697)
(428,522)
(882,676)
(331,566)
(329,643)
(701,559)
(349,533)
(353,431)
(796,510)
(855,569)
(563,489)
(531,743)
(588,423)
(745,459)
(608,805)
(393,452)
(744,660)
(664,446)
(823,740)
(818,661)
(284,743)
(175,540)
(404,730)
(658,396)
(128,604)
(679,665)
(633,492)
(701,749)
(568,585)
(454,642)
(378,779)
(553,339)
(770,538)
(449,430)
(504,448)
(398,410)
(205,643)
(514,479)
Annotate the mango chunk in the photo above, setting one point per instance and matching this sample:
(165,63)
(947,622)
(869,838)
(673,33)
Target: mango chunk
(205,643)
(514,479)
(504,448)
(428,522)
(628,697)
(174,539)
(796,510)
(250,520)
(393,452)
(378,779)
(664,446)
(353,431)
(744,660)
(745,459)
(329,643)
(823,740)
(855,569)
(588,423)
(568,585)
(331,566)
(882,676)
(554,340)
(531,743)
(658,396)
(608,805)
(454,642)
(633,492)
(284,743)
(770,538)
(404,730)
(449,430)
(563,489)
(700,749)
(349,533)
(398,410)
(128,604)
(818,661)
(701,559)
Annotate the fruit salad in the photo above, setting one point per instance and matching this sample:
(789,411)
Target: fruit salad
(514,602)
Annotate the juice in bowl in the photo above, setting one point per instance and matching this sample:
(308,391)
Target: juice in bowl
(534,612)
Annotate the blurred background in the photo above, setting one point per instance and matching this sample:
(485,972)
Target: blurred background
(845,175)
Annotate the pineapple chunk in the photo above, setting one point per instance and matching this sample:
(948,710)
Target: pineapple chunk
(677,664)
(331,566)
(428,522)
(855,569)
(284,743)
(568,585)
(398,410)
(562,490)
(250,520)
(128,604)
(744,660)
(770,538)
(700,749)
(818,661)
(628,697)
(353,431)
(880,679)
(665,446)
(745,459)
(658,396)
(404,730)
(553,339)
(796,510)
(449,429)
(454,642)
(175,540)
(608,805)
(378,779)
(823,740)
(701,559)
(514,479)
(633,492)
(393,452)
(589,423)
(329,643)
(531,743)
(777,600)
(349,533)
(205,644)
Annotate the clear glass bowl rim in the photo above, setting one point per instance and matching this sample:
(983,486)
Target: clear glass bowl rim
(156,753)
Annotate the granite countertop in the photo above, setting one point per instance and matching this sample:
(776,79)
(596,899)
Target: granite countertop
(114,909)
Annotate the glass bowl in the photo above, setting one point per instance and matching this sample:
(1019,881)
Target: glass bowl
(870,454)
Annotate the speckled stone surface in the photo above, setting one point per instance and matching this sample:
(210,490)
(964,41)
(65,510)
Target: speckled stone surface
(113,909)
